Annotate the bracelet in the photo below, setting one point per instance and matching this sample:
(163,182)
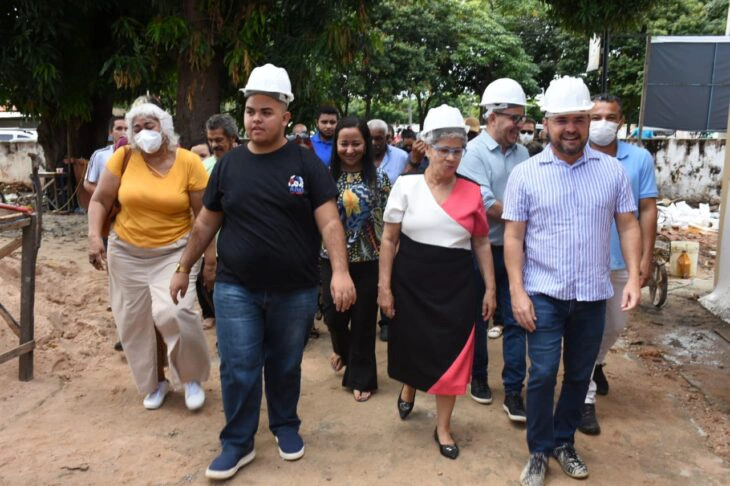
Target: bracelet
(181,269)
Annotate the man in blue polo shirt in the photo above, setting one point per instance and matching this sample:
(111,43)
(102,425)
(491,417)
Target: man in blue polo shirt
(606,119)
(558,209)
(322,140)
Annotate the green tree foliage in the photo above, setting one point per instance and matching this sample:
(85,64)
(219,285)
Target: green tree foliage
(435,51)
(214,45)
(66,62)
(589,16)
(558,50)
(50,57)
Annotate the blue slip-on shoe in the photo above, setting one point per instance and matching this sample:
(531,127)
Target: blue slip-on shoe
(291,445)
(227,464)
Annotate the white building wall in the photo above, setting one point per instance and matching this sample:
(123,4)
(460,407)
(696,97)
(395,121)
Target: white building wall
(688,169)
(15,165)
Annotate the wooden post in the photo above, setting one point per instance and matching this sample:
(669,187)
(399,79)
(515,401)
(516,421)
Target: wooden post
(27,296)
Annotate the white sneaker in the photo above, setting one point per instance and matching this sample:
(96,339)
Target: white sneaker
(154,400)
(194,395)
(495,332)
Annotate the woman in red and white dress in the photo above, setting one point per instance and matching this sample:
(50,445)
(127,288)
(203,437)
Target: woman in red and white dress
(434,226)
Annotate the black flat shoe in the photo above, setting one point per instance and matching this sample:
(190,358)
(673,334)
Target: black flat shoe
(404,408)
(450,451)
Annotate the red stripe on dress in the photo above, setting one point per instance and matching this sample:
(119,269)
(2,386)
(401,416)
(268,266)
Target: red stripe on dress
(463,206)
(454,381)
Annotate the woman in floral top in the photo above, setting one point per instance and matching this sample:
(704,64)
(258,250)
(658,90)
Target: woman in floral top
(363,193)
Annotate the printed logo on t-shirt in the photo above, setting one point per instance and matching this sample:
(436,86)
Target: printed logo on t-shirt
(296,185)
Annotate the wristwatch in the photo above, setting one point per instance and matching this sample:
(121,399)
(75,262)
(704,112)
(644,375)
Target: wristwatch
(181,269)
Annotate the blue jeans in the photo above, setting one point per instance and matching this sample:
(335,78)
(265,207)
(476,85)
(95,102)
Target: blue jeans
(578,326)
(260,330)
(514,339)
(481,355)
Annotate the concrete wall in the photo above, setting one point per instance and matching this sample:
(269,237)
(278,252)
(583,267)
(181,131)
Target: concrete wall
(688,169)
(15,164)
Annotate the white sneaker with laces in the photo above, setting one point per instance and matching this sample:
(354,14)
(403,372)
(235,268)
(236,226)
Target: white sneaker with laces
(154,400)
(194,395)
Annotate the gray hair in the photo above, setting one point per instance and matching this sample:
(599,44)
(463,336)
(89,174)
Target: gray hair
(377,124)
(434,136)
(224,121)
(167,130)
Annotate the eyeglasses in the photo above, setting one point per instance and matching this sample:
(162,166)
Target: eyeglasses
(527,132)
(446,151)
(516,119)
(295,137)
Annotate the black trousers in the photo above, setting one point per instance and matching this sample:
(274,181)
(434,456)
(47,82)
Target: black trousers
(205,296)
(353,331)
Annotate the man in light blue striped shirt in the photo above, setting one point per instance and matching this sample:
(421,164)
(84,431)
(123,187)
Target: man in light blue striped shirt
(558,209)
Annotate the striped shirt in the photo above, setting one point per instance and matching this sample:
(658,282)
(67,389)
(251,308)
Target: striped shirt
(569,210)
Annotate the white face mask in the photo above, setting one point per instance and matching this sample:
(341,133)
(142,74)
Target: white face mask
(602,132)
(526,138)
(148,140)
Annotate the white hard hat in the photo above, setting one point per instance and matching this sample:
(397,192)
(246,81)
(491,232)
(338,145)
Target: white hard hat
(269,80)
(443,116)
(503,92)
(566,95)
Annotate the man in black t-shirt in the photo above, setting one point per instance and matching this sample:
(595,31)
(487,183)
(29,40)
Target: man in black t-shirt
(271,199)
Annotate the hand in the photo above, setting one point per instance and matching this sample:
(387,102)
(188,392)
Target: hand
(645,268)
(179,285)
(97,252)
(418,151)
(209,275)
(489,304)
(343,291)
(386,302)
(523,311)
(631,295)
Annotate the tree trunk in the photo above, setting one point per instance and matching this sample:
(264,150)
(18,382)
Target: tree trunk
(198,91)
(52,139)
(198,97)
(368,107)
(94,133)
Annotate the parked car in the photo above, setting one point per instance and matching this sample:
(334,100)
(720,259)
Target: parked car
(18,135)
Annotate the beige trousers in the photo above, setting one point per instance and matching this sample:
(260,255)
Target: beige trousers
(140,295)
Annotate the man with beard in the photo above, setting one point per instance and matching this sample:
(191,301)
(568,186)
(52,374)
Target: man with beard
(558,210)
(489,160)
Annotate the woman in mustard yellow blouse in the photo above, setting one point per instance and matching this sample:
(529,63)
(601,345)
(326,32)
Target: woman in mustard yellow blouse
(159,186)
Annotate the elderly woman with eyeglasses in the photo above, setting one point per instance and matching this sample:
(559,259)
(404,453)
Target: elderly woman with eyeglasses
(159,186)
(433,223)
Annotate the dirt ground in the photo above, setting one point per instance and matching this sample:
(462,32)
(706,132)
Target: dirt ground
(666,420)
